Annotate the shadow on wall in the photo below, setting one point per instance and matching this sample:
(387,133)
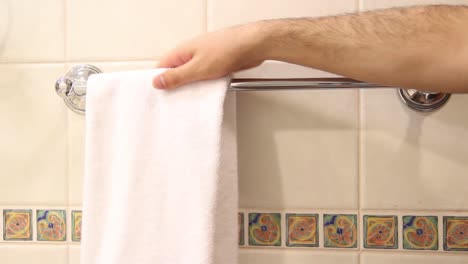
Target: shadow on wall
(279,133)
(423,155)
(4,23)
(261,117)
(438,136)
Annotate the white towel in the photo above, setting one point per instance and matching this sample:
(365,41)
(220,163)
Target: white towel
(160,172)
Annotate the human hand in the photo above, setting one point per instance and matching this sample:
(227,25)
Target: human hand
(213,55)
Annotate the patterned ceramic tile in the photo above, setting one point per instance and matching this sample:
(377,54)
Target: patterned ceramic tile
(455,233)
(302,230)
(76,225)
(51,225)
(265,229)
(380,232)
(240,228)
(340,230)
(420,232)
(17,225)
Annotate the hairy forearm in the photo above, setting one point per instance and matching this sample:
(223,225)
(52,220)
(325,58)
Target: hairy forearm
(423,47)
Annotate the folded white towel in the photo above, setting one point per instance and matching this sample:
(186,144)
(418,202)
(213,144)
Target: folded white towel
(160,172)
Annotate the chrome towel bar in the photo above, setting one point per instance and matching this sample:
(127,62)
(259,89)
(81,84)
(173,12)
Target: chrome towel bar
(72,88)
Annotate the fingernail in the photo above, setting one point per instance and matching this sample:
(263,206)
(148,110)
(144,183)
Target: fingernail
(159,82)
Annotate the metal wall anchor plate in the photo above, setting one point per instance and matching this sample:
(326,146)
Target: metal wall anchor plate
(72,86)
(423,101)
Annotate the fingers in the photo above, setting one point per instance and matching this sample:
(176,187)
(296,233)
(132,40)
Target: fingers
(177,56)
(174,60)
(176,77)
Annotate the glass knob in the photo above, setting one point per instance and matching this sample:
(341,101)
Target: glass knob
(63,86)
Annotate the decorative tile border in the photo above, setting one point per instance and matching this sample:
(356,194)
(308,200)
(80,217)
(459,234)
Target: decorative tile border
(264,229)
(380,231)
(76,216)
(51,225)
(340,230)
(455,233)
(17,225)
(420,232)
(302,230)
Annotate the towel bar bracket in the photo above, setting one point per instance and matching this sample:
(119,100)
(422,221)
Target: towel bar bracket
(72,88)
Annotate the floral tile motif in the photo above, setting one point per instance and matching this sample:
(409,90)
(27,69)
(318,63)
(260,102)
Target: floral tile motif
(301,230)
(76,225)
(340,230)
(240,228)
(17,225)
(51,225)
(380,232)
(265,229)
(420,233)
(455,233)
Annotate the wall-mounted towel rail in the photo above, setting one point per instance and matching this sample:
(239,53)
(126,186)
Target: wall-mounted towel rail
(72,88)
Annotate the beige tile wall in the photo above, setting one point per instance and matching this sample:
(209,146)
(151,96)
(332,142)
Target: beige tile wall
(329,150)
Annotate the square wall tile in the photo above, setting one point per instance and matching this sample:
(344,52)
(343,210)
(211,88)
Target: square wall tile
(130,29)
(295,256)
(33,253)
(31,30)
(413,160)
(17,224)
(302,230)
(33,148)
(297,149)
(380,232)
(264,229)
(340,231)
(76,217)
(240,227)
(420,232)
(376,4)
(455,233)
(223,13)
(51,225)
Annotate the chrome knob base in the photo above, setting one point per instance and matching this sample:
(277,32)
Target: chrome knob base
(423,101)
(72,87)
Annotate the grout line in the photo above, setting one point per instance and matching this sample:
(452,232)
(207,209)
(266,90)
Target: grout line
(360,5)
(440,230)
(205,21)
(65,29)
(359,139)
(3,225)
(416,211)
(208,18)
(67,155)
(359,252)
(67,128)
(411,252)
(34,225)
(358,187)
(80,61)
(463,212)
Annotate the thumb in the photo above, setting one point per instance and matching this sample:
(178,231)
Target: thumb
(176,77)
